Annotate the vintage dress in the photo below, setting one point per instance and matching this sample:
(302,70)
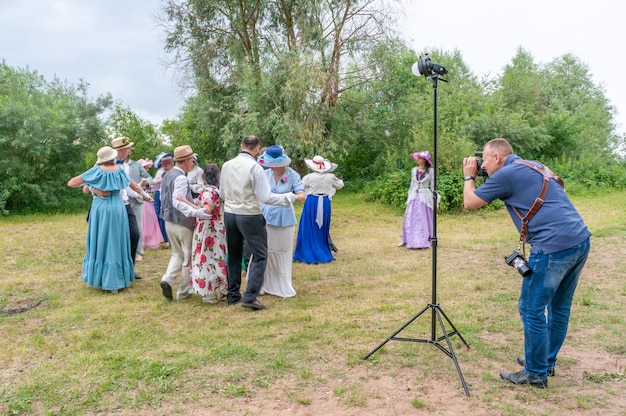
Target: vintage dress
(152,235)
(417,224)
(107,263)
(312,243)
(208,258)
(281,226)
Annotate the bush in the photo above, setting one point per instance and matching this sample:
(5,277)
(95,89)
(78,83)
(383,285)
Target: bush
(580,177)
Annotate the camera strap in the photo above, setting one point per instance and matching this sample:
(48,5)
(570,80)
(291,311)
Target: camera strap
(547,175)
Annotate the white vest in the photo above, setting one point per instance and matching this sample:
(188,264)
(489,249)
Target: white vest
(239,197)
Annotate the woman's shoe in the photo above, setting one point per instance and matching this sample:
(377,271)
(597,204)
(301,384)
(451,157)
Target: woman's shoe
(401,244)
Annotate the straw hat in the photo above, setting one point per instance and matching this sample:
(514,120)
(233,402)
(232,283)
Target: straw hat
(273,157)
(182,153)
(106,154)
(319,164)
(121,143)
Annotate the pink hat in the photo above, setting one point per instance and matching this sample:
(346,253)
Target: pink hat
(146,163)
(422,155)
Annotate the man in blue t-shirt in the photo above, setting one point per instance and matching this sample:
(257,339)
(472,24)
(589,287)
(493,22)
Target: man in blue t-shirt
(559,239)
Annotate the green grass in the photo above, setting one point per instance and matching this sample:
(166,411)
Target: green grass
(68,349)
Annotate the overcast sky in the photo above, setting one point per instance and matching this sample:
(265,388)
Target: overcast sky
(116,45)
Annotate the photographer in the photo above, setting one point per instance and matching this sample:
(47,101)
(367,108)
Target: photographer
(560,246)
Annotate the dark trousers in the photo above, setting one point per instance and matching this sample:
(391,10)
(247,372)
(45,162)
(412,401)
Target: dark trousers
(134,231)
(250,228)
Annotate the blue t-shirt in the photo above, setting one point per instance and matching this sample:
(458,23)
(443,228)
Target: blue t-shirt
(556,226)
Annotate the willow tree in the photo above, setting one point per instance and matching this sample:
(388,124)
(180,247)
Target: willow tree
(275,68)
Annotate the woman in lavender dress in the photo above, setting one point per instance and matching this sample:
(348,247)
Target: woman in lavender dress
(417,225)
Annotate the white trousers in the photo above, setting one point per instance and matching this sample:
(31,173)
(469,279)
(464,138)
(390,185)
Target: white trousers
(181,239)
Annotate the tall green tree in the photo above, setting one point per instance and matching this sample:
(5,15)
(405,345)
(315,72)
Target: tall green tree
(147,139)
(48,133)
(276,68)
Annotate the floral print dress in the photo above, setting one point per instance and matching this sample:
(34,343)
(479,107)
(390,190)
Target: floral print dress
(208,260)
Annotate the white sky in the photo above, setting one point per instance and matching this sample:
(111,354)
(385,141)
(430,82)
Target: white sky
(488,33)
(116,46)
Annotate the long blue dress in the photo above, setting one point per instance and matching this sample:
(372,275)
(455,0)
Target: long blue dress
(312,242)
(107,263)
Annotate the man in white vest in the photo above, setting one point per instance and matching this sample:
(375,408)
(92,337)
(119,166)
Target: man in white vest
(180,219)
(244,186)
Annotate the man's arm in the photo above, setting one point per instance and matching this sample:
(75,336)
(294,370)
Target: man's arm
(180,189)
(470,170)
(146,178)
(263,192)
(470,200)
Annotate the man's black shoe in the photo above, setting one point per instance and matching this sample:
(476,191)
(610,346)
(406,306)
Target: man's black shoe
(522,377)
(167,290)
(255,304)
(522,361)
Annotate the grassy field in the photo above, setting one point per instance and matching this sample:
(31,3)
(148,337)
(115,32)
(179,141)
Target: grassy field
(67,349)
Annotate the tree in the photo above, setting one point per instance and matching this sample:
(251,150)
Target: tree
(48,131)
(276,68)
(148,142)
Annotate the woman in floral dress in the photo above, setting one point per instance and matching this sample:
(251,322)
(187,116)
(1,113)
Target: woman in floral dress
(208,260)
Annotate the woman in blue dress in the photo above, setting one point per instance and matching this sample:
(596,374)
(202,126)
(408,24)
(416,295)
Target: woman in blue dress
(280,223)
(313,243)
(107,264)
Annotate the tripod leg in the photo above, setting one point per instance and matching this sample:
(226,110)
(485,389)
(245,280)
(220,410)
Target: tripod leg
(396,333)
(451,351)
(455,331)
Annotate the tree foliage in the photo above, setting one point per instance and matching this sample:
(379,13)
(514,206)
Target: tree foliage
(275,68)
(147,139)
(48,131)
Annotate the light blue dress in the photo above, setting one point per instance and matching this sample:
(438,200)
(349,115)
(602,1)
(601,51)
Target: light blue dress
(107,264)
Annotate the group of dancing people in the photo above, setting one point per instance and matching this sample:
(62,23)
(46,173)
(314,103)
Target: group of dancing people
(206,217)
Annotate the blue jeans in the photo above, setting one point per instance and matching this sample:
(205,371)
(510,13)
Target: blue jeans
(545,302)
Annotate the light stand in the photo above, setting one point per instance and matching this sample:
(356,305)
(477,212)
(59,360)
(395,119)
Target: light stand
(427,68)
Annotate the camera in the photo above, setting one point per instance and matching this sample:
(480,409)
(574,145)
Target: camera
(482,173)
(516,260)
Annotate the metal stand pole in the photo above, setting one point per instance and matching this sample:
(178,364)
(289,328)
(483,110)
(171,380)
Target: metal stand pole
(437,315)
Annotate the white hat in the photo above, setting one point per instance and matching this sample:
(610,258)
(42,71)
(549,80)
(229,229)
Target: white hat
(319,164)
(106,154)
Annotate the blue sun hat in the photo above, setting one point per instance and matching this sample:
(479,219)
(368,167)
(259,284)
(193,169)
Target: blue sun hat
(273,157)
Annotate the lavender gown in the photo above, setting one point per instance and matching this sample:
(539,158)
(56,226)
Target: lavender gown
(417,225)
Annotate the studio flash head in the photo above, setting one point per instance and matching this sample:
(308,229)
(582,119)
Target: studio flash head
(427,68)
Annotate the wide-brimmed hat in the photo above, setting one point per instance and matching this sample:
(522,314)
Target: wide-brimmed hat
(320,164)
(163,158)
(423,155)
(121,143)
(273,157)
(145,163)
(183,153)
(106,154)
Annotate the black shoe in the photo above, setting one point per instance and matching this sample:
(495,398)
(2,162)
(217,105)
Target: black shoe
(522,361)
(167,290)
(522,377)
(137,277)
(255,304)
